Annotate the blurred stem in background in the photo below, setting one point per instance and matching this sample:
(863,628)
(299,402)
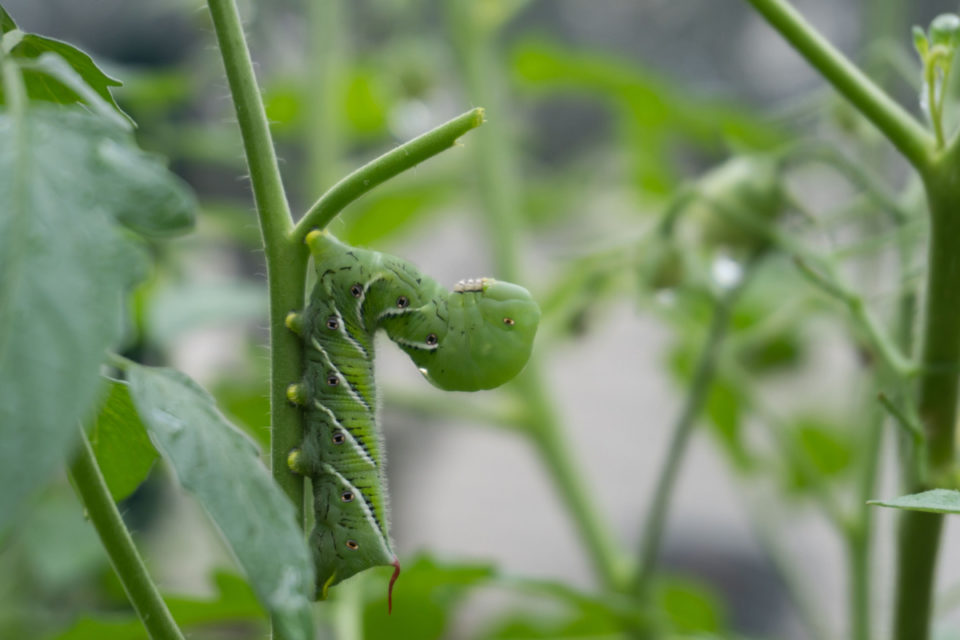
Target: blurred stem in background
(473,28)
(858,532)
(884,23)
(919,535)
(325,84)
(656,520)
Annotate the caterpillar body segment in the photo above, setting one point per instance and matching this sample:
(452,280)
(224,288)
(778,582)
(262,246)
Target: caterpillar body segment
(476,337)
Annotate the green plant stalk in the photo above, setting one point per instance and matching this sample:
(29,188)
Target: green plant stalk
(860,535)
(919,535)
(546,434)
(381,169)
(898,126)
(935,106)
(325,82)
(656,519)
(497,170)
(286,265)
(871,185)
(497,180)
(883,22)
(126,561)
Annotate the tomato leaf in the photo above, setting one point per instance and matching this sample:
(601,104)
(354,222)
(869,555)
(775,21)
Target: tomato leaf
(65,263)
(221,466)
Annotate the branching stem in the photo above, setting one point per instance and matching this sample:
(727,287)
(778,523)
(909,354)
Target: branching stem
(382,169)
(881,342)
(937,391)
(902,129)
(498,181)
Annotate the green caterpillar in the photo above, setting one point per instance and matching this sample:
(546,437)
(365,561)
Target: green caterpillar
(476,337)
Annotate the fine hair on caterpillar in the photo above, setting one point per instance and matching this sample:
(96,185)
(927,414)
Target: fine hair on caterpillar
(477,336)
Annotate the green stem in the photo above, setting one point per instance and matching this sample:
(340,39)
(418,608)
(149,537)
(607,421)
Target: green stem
(126,561)
(883,345)
(860,534)
(919,535)
(930,72)
(499,186)
(286,262)
(475,36)
(382,169)
(272,208)
(327,58)
(855,172)
(902,129)
(884,20)
(859,543)
(911,429)
(697,394)
(546,434)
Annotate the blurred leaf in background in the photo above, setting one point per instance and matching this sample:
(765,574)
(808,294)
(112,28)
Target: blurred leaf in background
(66,259)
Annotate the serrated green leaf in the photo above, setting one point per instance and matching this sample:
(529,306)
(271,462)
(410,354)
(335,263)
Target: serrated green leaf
(234,602)
(64,266)
(119,439)
(933,501)
(50,77)
(58,87)
(220,465)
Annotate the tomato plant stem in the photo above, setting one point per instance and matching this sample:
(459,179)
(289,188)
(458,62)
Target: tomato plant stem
(919,534)
(902,129)
(656,520)
(381,169)
(124,558)
(286,263)
(498,183)
(325,78)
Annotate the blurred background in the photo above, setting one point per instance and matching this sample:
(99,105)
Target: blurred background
(599,114)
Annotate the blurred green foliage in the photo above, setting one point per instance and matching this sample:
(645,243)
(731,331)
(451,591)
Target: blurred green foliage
(592,221)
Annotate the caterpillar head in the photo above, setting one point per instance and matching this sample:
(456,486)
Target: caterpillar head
(478,337)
